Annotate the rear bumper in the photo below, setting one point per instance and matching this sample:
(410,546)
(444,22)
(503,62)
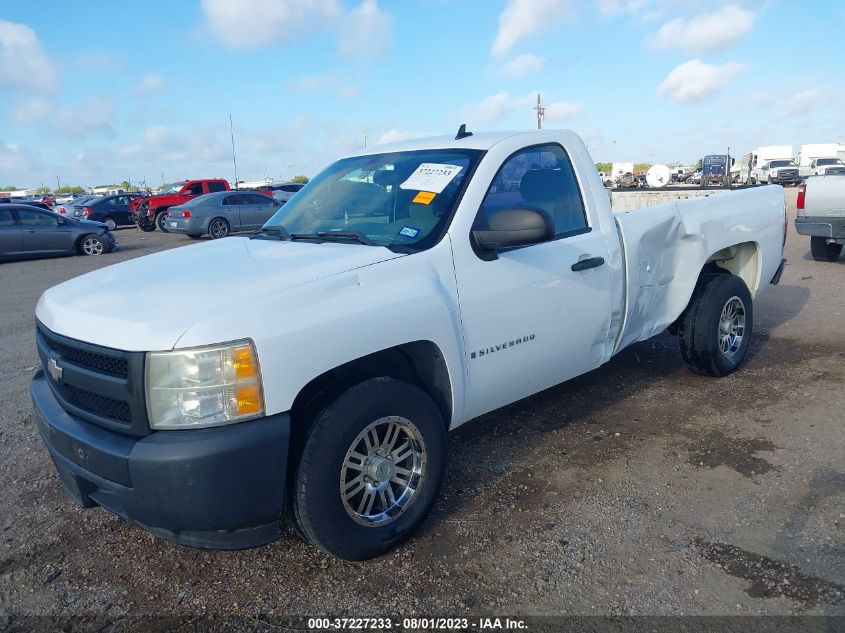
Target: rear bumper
(192,226)
(832,227)
(218,488)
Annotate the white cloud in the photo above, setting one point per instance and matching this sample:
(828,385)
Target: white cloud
(522,18)
(612,8)
(800,103)
(253,23)
(706,31)
(23,65)
(94,117)
(696,81)
(563,110)
(394,136)
(521,65)
(498,106)
(149,84)
(367,31)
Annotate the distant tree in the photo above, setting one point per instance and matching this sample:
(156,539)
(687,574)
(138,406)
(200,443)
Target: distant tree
(42,190)
(9,188)
(642,166)
(126,185)
(70,189)
(604,167)
(302,179)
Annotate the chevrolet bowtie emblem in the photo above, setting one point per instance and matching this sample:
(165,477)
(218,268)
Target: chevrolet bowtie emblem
(54,369)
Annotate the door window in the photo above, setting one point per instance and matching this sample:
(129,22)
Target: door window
(256,199)
(539,177)
(216,186)
(233,199)
(34,218)
(195,189)
(6,218)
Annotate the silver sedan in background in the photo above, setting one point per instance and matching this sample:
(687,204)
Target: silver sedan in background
(220,213)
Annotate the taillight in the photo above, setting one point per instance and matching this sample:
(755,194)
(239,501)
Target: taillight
(802,195)
(170,214)
(186,214)
(87,210)
(62,211)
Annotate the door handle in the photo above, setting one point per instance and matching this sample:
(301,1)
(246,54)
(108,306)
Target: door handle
(584,264)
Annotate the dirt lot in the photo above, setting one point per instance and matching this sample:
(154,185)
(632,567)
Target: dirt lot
(639,488)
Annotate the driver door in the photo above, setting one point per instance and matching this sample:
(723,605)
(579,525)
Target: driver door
(530,321)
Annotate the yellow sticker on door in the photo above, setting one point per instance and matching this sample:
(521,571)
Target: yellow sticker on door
(423,197)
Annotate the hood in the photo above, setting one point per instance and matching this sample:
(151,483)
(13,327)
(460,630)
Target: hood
(146,304)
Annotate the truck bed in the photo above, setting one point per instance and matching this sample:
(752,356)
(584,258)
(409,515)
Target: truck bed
(666,245)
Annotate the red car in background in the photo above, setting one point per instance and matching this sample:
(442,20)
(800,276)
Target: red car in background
(151,211)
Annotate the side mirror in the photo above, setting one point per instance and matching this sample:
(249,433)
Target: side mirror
(514,227)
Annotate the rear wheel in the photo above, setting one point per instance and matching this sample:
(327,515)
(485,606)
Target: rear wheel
(218,228)
(824,251)
(161,221)
(91,245)
(370,468)
(111,224)
(717,325)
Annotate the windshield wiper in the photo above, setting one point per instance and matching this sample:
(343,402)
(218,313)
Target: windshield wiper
(354,236)
(279,232)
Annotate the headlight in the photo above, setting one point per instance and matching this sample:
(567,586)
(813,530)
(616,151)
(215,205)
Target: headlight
(204,386)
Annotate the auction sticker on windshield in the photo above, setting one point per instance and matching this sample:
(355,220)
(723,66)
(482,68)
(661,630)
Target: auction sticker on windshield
(431,177)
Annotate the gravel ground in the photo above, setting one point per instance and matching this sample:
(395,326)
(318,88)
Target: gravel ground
(639,488)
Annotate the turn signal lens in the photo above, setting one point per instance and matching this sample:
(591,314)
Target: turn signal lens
(249,400)
(244,363)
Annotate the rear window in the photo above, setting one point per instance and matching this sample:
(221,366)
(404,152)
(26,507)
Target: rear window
(217,185)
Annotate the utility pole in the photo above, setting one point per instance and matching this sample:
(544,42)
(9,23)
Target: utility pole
(541,112)
(234,162)
(57,183)
(365,141)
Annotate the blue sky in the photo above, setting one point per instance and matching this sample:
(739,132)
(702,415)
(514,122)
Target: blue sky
(98,92)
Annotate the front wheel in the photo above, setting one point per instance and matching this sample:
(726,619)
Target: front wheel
(824,251)
(717,325)
(370,469)
(91,245)
(218,228)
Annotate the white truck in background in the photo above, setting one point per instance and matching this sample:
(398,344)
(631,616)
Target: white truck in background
(751,164)
(809,155)
(312,370)
(821,215)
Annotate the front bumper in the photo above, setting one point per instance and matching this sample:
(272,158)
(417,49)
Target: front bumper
(217,488)
(820,226)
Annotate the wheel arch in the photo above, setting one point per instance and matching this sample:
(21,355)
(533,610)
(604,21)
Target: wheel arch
(742,260)
(419,362)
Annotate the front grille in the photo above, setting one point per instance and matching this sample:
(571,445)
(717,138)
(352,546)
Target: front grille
(99,362)
(97,404)
(98,384)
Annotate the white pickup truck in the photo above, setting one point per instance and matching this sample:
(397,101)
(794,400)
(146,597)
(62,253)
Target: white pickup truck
(821,215)
(313,369)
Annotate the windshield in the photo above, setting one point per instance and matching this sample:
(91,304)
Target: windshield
(829,161)
(174,187)
(401,199)
(782,163)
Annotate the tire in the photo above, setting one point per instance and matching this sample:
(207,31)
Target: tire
(824,251)
(218,228)
(706,346)
(161,221)
(92,245)
(110,223)
(365,524)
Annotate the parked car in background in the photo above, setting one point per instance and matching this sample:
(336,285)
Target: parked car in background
(113,211)
(26,231)
(779,172)
(812,151)
(821,215)
(66,208)
(221,213)
(282,191)
(30,203)
(69,197)
(150,212)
